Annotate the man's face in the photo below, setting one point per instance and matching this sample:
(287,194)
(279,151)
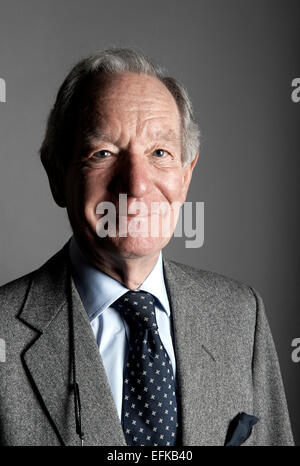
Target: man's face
(128,142)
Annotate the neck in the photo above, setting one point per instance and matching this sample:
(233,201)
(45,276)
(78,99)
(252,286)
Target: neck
(129,270)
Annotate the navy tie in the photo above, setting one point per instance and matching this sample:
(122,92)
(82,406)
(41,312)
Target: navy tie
(149,411)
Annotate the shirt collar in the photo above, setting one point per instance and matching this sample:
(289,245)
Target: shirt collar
(98,290)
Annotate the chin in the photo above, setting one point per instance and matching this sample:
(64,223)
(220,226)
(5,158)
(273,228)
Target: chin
(134,247)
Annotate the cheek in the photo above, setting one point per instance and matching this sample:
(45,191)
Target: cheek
(171,185)
(93,188)
(85,191)
(94,191)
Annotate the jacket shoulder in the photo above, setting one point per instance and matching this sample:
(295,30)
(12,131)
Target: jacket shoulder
(213,284)
(214,279)
(13,290)
(13,294)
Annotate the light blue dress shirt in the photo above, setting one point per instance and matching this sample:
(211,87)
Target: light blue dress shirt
(98,291)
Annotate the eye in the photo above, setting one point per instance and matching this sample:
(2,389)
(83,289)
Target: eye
(102,154)
(159,152)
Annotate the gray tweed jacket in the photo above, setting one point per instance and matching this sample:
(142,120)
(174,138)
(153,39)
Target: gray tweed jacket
(226,362)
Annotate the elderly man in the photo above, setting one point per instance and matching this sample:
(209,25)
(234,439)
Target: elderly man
(108,343)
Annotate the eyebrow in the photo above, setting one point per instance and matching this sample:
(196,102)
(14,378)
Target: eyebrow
(168,135)
(92,137)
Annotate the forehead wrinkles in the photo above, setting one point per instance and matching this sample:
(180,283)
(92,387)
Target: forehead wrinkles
(128,105)
(124,117)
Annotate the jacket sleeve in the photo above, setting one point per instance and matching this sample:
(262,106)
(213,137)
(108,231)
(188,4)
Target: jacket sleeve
(269,402)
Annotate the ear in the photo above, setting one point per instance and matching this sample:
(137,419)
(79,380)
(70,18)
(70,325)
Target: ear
(187,176)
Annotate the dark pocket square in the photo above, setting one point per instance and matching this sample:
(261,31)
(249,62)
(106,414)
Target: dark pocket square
(240,429)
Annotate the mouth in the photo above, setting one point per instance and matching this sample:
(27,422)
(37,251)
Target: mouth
(133,209)
(134,215)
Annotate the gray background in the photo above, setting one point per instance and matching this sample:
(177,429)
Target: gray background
(237,58)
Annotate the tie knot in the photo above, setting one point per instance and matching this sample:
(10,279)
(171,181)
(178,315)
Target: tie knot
(138,306)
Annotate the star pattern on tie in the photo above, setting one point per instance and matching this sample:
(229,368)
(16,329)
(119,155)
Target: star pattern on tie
(149,410)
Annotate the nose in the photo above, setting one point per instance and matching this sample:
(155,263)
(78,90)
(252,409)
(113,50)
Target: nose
(133,176)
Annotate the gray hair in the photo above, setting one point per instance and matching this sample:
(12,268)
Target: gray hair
(56,149)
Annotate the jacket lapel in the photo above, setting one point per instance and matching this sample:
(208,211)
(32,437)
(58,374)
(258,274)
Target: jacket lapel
(48,359)
(192,304)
